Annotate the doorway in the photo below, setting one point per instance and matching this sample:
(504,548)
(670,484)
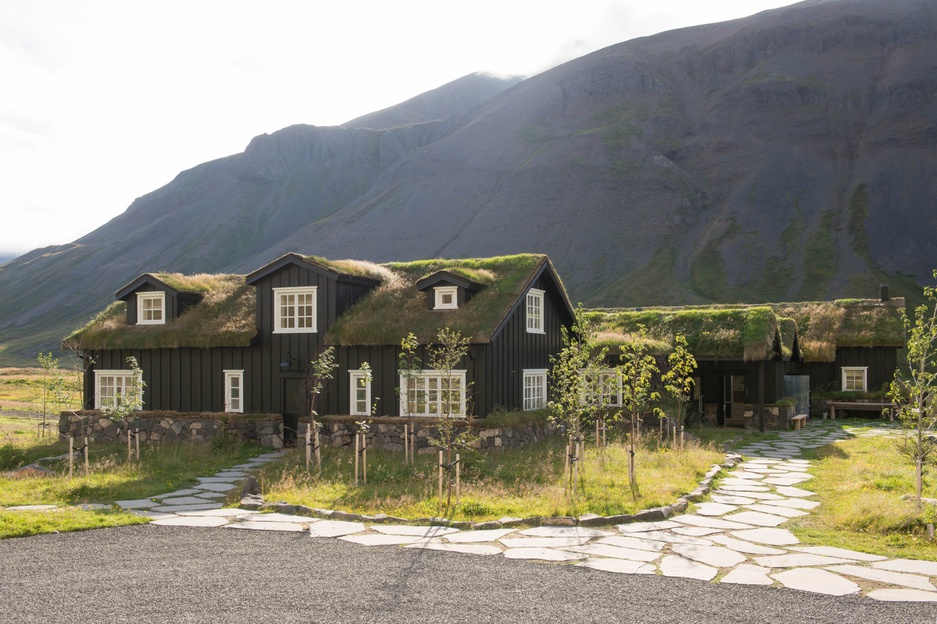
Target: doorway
(733,400)
(292,400)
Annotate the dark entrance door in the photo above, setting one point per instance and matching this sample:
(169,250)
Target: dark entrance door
(733,400)
(292,400)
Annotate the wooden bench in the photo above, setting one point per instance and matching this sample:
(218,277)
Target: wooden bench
(855,405)
(799,421)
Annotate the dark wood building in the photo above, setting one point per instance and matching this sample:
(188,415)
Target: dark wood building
(216,343)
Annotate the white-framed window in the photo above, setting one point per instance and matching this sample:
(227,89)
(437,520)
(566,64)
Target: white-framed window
(535,389)
(446,297)
(151,308)
(607,386)
(359,382)
(855,378)
(294,310)
(535,311)
(111,385)
(234,391)
(430,390)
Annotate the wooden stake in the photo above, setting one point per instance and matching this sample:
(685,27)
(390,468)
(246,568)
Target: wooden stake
(440,477)
(136,441)
(356,459)
(308,447)
(406,443)
(71,456)
(364,458)
(681,436)
(458,481)
(318,454)
(86,457)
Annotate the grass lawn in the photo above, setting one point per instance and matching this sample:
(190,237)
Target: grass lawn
(515,482)
(111,478)
(860,483)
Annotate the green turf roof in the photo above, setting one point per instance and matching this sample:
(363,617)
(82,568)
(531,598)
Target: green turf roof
(223,318)
(810,331)
(389,312)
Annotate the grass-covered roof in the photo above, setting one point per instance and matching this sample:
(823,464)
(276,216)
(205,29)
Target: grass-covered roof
(389,312)
(223,318)
(810,331)
(743,332)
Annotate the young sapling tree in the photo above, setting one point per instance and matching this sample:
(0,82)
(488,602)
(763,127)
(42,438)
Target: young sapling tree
(319,373)
(678,380)
(638,369)
(410,367)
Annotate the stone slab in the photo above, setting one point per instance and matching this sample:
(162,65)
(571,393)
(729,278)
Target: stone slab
(676,566)
(914,566)
(466,549)
(281,517)
(816,581)
(153,515)
(745,547)
(712,523)
(787,480)
(640,527)
(798,560)
(141,503)
(619,566)
(772,537)
(32,508)
(216,487)
(673,538)
(254,525)
(469,537)
(379,539)
(552,531)
(885,576)
(903,595)
(227,475)
(614,552)
(216,479)
(334,528)
(622,541)
(194,507)
(542,554)
(424,532)
(747,574)
(183,500)
(543,542)
(743,489)
(793,503)
(220,513)
(693,531)
(842,553)
(756,495)
(191,521)
(774,510)
(744,474)
(713,509)
(716,556)
(757,518)
(176,494)
(726,499)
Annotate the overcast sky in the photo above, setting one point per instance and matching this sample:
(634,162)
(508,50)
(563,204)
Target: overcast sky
(104,101)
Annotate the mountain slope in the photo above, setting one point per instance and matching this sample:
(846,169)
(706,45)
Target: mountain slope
(782,156)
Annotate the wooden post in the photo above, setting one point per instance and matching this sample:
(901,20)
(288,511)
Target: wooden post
(318,453)
(308,440)
(136,440)
(681,436)
(87,470)
(440,477)
(356,459)
(364,458)
(458,482)
(566,474)
(71,456)
(406,443)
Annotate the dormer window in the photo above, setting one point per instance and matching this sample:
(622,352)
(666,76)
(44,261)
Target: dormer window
(151,308)
(535,311)
(294,310)
(446,297)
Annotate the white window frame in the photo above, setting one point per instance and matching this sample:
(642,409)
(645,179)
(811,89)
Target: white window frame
(430,384)
(234,404)
(535,389)
(122,381)
(534,311)
(856,369)
(148,296)
(359,380)
(607,399)
(279,306)
(440,293)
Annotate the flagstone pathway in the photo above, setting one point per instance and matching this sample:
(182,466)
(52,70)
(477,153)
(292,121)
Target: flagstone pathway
(737,537)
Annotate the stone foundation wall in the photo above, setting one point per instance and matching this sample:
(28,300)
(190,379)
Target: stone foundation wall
(156,427)
(776,417)
(389,436)
(267,430)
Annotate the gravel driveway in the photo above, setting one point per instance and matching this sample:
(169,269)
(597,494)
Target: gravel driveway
(171,574)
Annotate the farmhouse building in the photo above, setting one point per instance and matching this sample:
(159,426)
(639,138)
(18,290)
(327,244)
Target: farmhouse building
(234,343)
(753,356)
